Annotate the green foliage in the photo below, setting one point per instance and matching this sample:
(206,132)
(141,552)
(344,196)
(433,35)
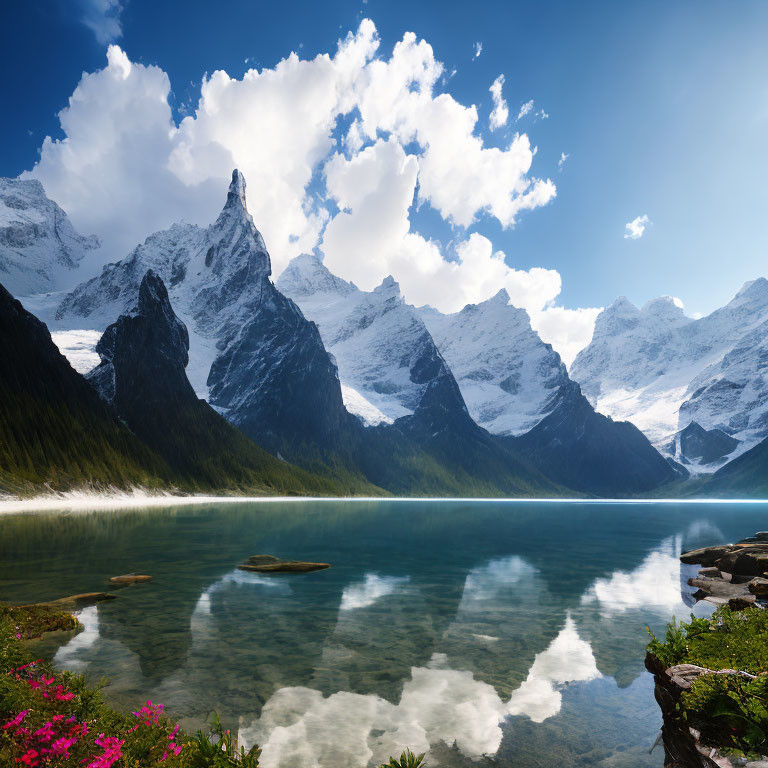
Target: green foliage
(729,640)
(407,760)
(217,750)
(32,621)
(731,711)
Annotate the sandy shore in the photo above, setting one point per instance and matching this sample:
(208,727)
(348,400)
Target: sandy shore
(83,500)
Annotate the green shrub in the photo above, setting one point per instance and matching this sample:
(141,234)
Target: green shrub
(730,711)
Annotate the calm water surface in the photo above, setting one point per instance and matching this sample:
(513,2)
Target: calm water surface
(498,634)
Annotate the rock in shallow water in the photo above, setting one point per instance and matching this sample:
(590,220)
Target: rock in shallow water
(130,578)
(272,564)
(74,602)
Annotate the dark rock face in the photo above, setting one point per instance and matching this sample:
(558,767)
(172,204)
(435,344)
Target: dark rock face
(278,384)
(440,450)
(53,426)
(745,476)
(584,450)
(702,446)
(143,355)
(142,375)
(745,561)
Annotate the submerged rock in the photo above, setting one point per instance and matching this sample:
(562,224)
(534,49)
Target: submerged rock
(130,578)
(272,564)
(74,602)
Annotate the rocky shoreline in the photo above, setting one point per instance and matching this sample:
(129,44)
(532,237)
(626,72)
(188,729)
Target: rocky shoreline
(732,575)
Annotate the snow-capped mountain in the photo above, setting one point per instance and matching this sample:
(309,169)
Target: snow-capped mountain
(39,247)
(508,376)
(662,370)
(252,353)
(398,360)
(384,352)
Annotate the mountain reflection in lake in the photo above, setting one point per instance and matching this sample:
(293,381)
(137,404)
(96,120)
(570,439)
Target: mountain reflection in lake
(510,633)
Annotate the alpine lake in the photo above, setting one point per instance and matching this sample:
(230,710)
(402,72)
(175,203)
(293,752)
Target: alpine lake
(486,633)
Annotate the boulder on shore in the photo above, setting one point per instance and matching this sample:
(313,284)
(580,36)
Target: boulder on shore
(706,556)
(758,586)
(736,574)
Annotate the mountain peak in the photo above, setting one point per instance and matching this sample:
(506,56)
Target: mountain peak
(622,306)
(388,286)
(667,307)
(500,297)
(306,275)
(152,291)
(753,288)
(236,193)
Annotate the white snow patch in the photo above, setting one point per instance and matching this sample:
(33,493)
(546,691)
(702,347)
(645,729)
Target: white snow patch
(79,347)
(356,404)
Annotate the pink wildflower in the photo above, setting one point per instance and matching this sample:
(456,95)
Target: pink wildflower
(60,747)
(112,752)
(29,758)
(16,721)
(45,733)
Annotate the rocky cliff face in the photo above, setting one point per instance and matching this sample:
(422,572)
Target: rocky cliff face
(591,453)
(385,355)
(508,376)
(39,247)
(143,356)
(142,376)
(54,429)
(252,352)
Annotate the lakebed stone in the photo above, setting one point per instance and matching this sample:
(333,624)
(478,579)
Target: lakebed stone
(272,564)
(74,602)
(130,578)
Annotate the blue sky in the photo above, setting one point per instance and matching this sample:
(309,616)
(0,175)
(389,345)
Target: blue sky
(661,108)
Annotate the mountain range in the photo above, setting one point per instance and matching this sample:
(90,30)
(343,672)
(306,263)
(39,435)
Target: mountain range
(698,388)
(216,376)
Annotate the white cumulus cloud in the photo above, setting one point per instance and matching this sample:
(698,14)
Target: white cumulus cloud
(500,112)
(636,227)
(478,50)
(125,169)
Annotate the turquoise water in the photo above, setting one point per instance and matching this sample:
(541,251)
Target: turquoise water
(511,634)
